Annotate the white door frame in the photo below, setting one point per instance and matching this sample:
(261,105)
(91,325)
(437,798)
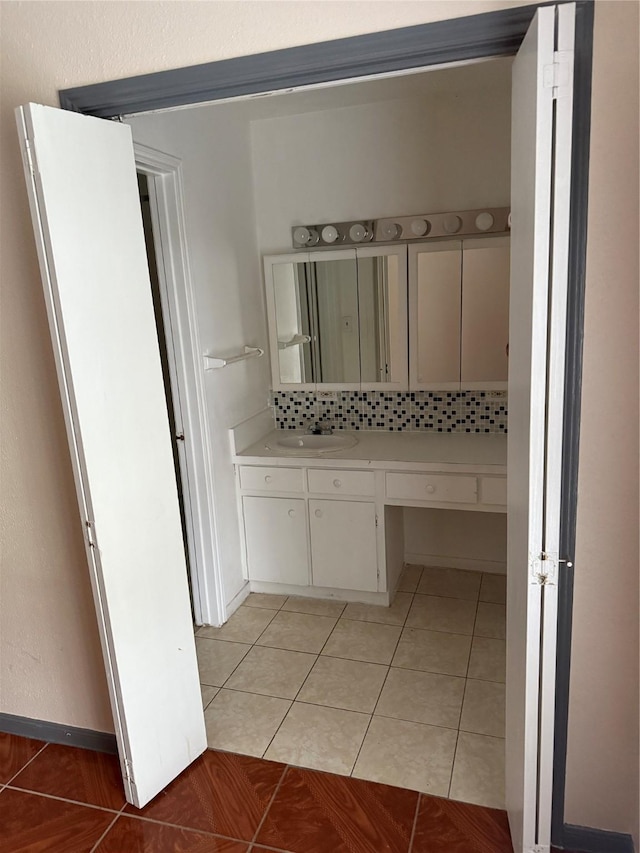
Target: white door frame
(164,173)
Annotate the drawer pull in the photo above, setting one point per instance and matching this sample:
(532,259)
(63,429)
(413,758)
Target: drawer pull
(318,513)
(337,483)
(292,513)
(431,489)
(268,478)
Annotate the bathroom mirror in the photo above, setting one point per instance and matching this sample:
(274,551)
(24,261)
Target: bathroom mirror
(338,319)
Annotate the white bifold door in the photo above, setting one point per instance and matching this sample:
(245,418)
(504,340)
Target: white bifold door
(81,181)
(540,184)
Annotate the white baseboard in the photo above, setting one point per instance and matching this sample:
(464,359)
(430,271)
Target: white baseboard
(351,595)
(493,566)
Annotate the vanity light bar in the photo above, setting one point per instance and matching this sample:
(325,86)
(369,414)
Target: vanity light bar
(421,226)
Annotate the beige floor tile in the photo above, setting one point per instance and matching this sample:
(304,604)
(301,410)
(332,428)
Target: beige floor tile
(207,694)
(272,672)
(483,708)
(488,659)
(245,626)
(494,588)
(320,738)
(451,583)
(410,755)
(490,621)
(314,606)
(410,578)
(393,615)
(262,599)
(366,641)
(478,771)
(297,632)
(217,659)
(347,684)
(433,651)
(436,613)
(422,697)
(243,722)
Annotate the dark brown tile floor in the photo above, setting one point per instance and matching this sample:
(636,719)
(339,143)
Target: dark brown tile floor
(57,799)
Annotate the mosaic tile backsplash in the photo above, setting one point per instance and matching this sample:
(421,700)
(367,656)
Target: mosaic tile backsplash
(396,411)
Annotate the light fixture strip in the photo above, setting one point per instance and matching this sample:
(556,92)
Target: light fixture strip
(420,226)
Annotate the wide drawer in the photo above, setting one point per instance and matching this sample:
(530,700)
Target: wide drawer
(271,479)
(326,482)
(439,488)
(493,490)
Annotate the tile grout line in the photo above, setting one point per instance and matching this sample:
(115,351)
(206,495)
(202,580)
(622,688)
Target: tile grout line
(415,823)
(63,799)
(108,829)
(157,822)
(26,764)
(266,811)
(393,654)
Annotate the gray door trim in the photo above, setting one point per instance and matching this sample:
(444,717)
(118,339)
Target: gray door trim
(474,37)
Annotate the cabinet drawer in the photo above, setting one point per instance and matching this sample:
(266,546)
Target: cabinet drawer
(440,488)
(327,482)
(271,479)
(493,490)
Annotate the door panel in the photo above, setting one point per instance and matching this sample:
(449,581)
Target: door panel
(534,419)
(277,542)
(82,188)
(344,544)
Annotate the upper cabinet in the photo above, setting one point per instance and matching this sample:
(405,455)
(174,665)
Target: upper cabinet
(354,319)
(338,319)
(459,314)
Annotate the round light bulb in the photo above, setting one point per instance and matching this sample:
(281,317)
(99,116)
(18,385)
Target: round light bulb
(301,235)
(451,223)
(358,233)
(420,227)
(329,234)
(484,221)
(390,230)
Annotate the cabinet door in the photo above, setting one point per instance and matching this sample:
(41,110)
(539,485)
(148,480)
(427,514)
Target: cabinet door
(435,288)
(277,541)
(485,313)
(344,544)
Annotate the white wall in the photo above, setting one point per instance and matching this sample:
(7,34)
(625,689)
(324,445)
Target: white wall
(462,540)
(415,155)
(214,148)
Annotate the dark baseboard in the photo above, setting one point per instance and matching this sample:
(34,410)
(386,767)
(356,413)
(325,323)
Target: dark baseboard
(57,733)
(584,839)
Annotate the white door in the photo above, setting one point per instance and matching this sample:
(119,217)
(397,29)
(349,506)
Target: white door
(81,180)
(344,544)
(540,168)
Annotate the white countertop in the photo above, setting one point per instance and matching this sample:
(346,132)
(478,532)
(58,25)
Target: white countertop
(478,453)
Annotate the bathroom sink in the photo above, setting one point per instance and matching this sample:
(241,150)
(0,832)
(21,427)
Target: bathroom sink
(304,444)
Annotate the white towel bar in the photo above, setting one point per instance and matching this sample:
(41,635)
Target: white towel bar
(213,362)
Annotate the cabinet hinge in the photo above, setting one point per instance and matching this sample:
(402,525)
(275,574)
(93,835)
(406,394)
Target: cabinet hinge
(558,75)
(90,528)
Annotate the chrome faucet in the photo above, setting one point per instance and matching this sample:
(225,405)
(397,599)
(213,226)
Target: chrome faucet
(319,428)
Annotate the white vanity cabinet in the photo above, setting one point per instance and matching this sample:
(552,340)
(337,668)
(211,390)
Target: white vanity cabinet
(459,314)
(314,540)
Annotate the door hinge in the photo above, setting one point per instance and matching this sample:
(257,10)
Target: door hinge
(544,567)
(376,520)
(30,155)
(90,527)
(128,772)
(558,75)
